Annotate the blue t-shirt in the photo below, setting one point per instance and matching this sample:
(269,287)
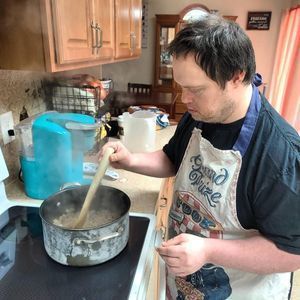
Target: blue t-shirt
(268,190)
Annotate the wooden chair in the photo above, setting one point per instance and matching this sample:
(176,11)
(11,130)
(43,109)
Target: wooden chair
(139,88)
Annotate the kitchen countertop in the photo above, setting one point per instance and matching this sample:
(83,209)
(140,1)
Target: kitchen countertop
(142,190)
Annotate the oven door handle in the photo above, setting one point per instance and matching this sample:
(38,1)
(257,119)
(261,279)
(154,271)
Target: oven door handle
(161,292)
(162,276)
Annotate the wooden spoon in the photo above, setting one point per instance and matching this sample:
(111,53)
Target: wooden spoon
(103,164)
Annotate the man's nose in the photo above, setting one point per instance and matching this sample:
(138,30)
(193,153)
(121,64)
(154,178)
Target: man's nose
(186,97)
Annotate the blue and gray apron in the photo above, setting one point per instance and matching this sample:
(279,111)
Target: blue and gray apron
(204,204)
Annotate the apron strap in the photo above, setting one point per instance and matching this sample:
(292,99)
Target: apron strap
(248,127)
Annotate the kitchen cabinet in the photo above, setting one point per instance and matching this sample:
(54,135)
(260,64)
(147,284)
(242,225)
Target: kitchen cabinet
(166,28)
(180,108)
(128,29)
(59,35)
(45,35)
(104,16)
(83,32)
(73,40)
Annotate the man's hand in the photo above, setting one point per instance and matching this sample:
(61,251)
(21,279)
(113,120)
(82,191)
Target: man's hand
(155,164)
(121,158)
(184,254)
(187,253)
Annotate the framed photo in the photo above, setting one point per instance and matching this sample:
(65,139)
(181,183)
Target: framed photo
(259,20)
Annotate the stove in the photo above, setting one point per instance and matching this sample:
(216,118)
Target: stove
(27,272)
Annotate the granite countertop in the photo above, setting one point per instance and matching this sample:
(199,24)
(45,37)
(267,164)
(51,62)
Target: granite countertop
(142,190)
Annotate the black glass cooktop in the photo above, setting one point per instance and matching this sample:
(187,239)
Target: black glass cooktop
(34,275)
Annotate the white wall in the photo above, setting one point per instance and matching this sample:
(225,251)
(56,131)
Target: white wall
(264,42)
(295,2)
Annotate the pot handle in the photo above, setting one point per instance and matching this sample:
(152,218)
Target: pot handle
(79,241)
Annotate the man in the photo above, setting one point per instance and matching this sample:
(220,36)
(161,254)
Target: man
(234,222)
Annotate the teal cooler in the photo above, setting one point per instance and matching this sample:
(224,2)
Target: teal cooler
(56,152)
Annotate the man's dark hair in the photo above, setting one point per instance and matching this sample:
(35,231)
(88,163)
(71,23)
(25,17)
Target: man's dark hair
(220,46)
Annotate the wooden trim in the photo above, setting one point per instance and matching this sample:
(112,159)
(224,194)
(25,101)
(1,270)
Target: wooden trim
(167,20)
(163,205)
(47,34)
(232,18)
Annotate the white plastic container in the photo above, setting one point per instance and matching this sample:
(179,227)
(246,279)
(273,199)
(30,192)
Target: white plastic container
(24,136)
(121,127)
(139,131)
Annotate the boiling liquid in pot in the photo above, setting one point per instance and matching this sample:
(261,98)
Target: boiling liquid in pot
(93,219)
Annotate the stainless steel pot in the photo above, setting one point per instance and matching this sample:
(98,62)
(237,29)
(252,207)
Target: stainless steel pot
(91,246)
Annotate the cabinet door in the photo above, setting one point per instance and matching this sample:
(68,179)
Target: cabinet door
(72,30)
(104,17)
(180,108)
(136,27)
(128,28)
(122,12)
(166,28)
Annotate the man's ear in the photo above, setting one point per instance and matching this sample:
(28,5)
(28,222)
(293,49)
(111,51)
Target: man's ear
(238,77)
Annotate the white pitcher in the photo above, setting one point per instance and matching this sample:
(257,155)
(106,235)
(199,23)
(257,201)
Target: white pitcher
(139,131)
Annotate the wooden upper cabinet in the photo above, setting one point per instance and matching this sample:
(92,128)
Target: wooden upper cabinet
(84,31)
(19,49)
(136,25)
(72,30)
(59,35)
(128,30)
(104,17)
(123,28)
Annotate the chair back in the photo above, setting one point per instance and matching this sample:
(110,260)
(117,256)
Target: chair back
(139,88)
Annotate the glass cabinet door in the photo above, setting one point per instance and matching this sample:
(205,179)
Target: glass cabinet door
(166,29)
(165,75)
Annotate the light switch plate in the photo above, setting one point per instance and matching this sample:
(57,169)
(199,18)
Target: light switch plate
(6,123)
(3,170)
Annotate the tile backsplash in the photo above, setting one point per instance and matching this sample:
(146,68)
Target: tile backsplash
(23,88)
(19,89)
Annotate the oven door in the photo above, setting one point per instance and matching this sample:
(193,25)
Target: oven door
(157,283)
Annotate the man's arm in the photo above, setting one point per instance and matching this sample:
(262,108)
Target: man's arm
(186,253)
(155,164)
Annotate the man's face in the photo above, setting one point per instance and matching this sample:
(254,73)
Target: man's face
(204,99)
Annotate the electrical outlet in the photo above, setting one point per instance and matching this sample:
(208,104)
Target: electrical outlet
(6,123)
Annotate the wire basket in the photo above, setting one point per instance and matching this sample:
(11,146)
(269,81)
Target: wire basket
(75,99)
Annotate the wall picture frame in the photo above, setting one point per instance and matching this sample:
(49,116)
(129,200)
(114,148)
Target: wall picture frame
(259,20)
